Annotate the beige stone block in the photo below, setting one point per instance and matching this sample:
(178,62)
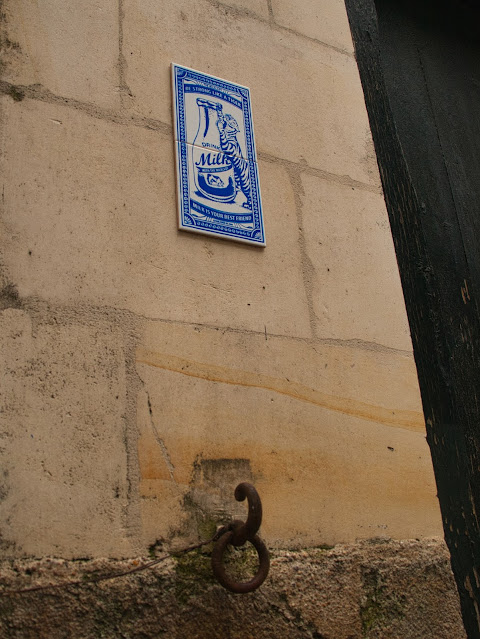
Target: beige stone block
(332,435)
(356,290)
(161,498)
(69,47)
(323,20)
(62,438)
(257,7)
(90,216)
(307,99)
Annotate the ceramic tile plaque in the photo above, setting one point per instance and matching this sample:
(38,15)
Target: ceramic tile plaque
(217,172)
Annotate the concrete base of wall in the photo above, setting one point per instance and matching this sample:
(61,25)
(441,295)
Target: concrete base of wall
(376,589)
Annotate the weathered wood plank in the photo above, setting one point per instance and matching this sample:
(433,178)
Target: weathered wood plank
(419,83)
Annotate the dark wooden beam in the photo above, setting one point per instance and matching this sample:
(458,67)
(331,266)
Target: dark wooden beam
(431,182)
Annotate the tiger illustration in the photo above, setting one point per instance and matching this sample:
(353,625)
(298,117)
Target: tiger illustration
(228,129)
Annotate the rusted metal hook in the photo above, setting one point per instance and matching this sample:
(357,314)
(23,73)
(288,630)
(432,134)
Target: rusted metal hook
(237,533)
(246,531)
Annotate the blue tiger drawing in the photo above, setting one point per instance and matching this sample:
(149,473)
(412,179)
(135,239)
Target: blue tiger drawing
(228,129)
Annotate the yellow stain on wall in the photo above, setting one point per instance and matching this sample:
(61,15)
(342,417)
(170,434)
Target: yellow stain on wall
(407,419)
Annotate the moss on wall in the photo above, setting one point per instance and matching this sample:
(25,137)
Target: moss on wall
(369,590)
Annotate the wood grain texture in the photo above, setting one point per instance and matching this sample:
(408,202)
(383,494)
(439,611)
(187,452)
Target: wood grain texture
(420,78)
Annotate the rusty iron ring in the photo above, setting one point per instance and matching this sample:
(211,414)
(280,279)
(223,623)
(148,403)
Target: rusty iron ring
(220,572)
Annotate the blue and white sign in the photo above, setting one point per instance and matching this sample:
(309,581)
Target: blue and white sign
(218,187)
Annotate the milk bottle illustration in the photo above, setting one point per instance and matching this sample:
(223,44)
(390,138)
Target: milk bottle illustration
(213,171)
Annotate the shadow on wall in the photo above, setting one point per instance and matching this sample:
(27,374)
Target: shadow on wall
(210,500)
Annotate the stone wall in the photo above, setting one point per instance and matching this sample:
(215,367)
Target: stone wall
(147,371)
(374,589)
